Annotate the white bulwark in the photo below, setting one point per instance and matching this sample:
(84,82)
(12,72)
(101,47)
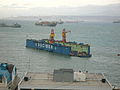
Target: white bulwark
(64,79)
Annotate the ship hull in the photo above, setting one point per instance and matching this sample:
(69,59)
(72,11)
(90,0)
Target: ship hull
(46,23)
(71,49)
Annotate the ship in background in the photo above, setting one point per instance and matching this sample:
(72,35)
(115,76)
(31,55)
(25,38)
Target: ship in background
(16,25)
(116,21)
(46,23)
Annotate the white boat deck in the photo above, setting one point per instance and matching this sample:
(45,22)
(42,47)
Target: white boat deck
(45,81)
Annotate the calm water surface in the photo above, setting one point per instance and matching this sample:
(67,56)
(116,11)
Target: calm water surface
(102,35)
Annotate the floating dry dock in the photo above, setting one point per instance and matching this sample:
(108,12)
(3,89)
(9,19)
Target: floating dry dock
(64,79)
(68,48)
(60,46)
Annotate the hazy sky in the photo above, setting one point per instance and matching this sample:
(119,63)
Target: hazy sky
(53,3)
(16,7)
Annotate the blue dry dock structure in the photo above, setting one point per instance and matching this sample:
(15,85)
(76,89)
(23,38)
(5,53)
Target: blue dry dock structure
(60,46)
(64,79)
(8,77)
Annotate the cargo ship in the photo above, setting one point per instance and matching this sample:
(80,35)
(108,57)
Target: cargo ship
(116,21)
(16,25)
(46,23)
(60,46)
(8,77)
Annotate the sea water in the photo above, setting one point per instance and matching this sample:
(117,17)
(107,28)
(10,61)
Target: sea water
(102,35)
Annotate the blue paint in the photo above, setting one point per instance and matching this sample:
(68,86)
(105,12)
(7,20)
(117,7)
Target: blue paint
(4,72)
(55,47)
